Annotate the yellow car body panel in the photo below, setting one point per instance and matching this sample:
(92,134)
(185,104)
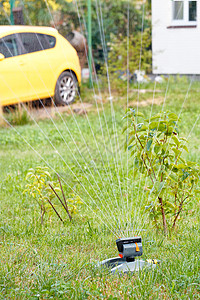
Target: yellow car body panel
(32,76)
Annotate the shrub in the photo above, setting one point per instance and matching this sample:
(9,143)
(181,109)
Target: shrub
(138,57)
(44,190)
(157,152)
(38,188)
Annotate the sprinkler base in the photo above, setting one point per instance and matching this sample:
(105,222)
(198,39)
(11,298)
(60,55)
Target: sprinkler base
(129,249)
(120,265)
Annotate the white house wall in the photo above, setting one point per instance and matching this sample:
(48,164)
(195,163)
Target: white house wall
(174,50)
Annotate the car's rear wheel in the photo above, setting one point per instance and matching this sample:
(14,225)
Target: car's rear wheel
(66,88)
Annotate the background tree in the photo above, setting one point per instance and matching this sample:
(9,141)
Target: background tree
(111,15)
(66,18)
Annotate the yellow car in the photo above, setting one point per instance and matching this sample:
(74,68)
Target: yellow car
(37,63)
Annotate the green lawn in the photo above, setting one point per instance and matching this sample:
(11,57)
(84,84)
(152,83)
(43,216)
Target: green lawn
(57,261)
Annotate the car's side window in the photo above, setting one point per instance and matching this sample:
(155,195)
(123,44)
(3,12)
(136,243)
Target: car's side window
(30,42)
(9,46)
(33,42)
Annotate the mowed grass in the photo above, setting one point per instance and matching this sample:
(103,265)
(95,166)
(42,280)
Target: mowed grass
(57,261)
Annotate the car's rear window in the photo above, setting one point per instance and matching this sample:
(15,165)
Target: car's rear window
(33,42)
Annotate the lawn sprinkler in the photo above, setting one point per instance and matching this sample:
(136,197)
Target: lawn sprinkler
(129,249)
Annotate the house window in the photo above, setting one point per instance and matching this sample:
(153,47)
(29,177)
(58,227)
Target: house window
(184,12)
(178,10)
(192,10)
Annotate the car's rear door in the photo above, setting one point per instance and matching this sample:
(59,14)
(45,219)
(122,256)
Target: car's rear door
(13,77)
(38,48)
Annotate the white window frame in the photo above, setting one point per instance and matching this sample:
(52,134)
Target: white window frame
(185,21)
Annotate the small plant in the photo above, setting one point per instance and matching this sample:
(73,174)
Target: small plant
(39,188)
(44,190)
(18,116)
(157,152)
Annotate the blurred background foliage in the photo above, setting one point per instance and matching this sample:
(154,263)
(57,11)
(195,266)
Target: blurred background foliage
(136,56)
(68,15)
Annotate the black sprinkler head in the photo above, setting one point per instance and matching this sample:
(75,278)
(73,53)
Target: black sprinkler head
(129,248)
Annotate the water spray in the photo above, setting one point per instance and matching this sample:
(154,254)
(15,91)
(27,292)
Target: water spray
(129,249)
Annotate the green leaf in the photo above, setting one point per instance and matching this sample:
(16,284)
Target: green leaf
(169,131)
(141,127)
(176,151)
(183,139)
(153,125)
(131,146)
(176,140)
(191,163)
(139,114)
(125,128)
(185,148)
(133,153)
(157,148)
(161,127)
(136,162)
(149,143)
(181,159)
(185,176)
(142,137)
(181,166)
(173,117)
(157,116)
(131,140)
(172,177)
(125,146)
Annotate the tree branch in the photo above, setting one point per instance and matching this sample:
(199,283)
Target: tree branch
(147,169)
(179,211)
(163,215)
(55,210)
(64,197)
(70,217)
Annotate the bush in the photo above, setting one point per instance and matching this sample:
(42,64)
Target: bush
(41,188)
(139,58)
(157,151)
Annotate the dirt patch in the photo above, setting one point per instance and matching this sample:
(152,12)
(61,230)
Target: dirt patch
(50,112)
(143,103)
(104,98)
(144,91)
